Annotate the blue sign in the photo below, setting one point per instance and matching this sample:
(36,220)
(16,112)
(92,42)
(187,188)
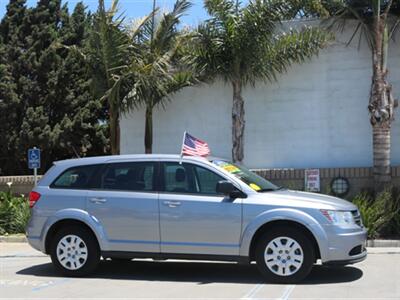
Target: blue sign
(34,158)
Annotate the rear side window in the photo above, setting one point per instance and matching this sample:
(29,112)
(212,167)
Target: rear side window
(130,176)
(75,178)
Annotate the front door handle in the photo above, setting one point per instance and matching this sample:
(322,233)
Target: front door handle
(172,204)
(98,200)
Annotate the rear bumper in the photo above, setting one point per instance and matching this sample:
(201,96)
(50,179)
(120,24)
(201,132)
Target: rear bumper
(33,233)
(35,243)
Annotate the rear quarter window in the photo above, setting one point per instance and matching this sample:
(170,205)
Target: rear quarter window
(75,177)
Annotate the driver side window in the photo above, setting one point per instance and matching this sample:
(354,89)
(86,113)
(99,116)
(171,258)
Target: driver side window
(190,179)
(178,178)
(207,180)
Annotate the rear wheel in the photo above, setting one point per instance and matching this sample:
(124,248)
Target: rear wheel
(285,255)
(74,251)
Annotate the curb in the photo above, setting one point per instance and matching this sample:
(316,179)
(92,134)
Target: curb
(383,250)
(13,239)
(383,243)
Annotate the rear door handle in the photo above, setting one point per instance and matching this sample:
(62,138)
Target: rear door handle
(98,200)
(172,203)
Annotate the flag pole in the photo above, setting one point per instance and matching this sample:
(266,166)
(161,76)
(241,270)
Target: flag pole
(183,142)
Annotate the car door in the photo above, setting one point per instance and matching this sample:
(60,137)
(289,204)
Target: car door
(126,205)
(194,219)
(68,190)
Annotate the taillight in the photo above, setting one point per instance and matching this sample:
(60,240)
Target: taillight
(33,198)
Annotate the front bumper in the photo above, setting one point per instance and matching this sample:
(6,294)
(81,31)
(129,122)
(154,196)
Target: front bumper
(345,245)
(351,261)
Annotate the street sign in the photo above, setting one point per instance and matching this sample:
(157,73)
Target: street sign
(34,158)
(312,180)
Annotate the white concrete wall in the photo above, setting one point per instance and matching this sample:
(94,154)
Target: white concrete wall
(314,116)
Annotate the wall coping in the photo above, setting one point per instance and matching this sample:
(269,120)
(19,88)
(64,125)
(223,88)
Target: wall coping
(287,173)
(20,179)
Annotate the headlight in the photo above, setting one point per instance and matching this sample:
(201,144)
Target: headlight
(337,217)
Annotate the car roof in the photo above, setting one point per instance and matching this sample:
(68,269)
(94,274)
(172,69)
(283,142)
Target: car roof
(125,157)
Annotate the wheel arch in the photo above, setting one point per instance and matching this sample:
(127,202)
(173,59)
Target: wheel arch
(282,223)
(62,223)
(285,217)
(72,216)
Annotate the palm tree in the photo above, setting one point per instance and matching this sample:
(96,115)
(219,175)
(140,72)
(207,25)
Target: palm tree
(246,44)
(376,21)
(160,71)
(108,51)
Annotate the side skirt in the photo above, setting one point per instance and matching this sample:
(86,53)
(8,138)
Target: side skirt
(165,256)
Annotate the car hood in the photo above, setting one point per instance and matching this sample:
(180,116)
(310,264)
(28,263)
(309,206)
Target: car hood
(313,200)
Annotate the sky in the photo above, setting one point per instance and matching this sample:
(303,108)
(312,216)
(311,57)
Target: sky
(134,8)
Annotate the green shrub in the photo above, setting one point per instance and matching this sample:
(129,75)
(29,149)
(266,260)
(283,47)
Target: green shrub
(393,228)
(379,213)
(14,213)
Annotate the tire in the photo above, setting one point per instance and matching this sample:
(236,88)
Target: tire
(74,251)
(284,267)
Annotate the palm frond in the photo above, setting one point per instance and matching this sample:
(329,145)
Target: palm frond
(296,46)
(250,42)
(220,9)
(166,29)
(364,12)
(110,54)
(139,30)
(156,63)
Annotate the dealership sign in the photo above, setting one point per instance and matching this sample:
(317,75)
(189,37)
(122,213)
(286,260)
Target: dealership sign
(311,180)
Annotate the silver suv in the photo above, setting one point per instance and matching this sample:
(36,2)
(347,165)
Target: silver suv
(168,207)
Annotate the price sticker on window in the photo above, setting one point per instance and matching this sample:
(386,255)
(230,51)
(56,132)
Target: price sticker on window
(254,186)
(231,168)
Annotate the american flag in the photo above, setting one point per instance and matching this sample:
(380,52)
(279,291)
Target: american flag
(194,147)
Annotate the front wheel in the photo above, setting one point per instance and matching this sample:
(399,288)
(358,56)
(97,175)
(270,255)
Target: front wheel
(74,251)
(285,255)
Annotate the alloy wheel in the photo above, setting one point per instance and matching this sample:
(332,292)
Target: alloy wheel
(283,256)
(72,252)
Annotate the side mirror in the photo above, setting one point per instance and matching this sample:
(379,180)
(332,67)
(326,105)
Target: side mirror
(228,189)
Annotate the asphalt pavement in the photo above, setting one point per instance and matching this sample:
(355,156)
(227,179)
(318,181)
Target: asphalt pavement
(26,273)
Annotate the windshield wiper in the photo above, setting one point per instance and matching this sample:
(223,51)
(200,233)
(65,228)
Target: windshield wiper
(266,190)
(271,189)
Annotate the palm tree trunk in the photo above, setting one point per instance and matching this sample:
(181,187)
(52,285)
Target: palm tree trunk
(148,131)
(238,122)
(381,107)
(114,130)
(380,103)
(381,146)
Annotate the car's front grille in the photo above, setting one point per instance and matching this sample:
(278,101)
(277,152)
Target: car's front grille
(357,217)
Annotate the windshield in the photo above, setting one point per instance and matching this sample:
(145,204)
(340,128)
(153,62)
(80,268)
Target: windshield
(254,181)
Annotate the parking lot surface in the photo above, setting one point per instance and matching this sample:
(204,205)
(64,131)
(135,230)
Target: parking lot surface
(26,273)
